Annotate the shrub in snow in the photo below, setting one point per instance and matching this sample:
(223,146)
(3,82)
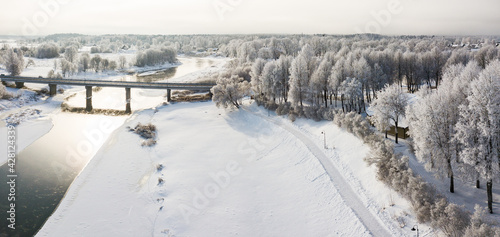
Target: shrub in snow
(292,116)
(270,105)
(4,94)
(480,225)
(283,109)
(449,217)
(52,74)
(30,63)
(327,113)
(26,114)
(146,131)
(312,113)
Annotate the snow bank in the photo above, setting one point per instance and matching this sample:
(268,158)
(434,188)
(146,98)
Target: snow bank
(27,133)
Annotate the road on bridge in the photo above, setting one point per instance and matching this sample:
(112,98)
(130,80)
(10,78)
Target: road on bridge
(53,82)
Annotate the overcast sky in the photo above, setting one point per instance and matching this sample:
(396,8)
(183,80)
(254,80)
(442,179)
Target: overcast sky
(415,17)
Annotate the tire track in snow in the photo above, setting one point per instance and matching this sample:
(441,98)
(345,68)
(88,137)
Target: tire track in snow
(370,221)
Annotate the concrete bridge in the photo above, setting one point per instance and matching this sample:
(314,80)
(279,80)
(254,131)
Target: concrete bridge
(52,82)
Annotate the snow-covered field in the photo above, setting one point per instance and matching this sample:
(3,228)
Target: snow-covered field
(227,174)
(224,174)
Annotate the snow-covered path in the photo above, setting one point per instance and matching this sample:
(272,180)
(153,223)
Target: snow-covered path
(371,222)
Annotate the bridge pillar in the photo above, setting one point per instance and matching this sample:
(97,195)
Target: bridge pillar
(52,89)
(127,98)
(89,98)
(19,84)
(169,95)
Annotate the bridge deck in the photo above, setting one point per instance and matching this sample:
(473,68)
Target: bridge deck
(104,83)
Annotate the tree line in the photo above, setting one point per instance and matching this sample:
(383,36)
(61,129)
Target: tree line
(307,76)
(455,123)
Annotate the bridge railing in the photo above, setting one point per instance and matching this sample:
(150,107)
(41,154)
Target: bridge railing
(86,82)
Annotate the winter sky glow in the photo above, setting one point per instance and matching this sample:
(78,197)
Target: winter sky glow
(430,17)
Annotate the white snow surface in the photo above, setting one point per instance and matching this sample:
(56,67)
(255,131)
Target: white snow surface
(26,133)
(30,128)
(227,174)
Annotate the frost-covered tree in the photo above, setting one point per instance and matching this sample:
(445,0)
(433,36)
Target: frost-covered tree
(84,62)
(14,62)
(390,105)
(47,51)
(478,129)
(283,66)
(299,80)
(270,78)
(105,64)
(351,94)
(363,72)
(338,75)
(427,67)
(320,78)
(439,60)
(95,63)
(380,79)
(153,57)
(113,65)
(247,52)
(485,55)
(255,74)
(71,54)
(229,91)
(410,71)
(68,68)
(122,62)
(460,56)
(432,122)
(301,70)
